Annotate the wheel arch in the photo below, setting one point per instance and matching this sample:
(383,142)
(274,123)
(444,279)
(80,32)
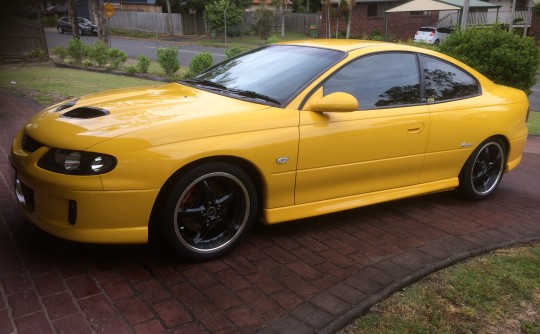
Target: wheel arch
(244,164)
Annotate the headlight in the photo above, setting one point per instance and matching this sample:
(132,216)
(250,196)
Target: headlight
(77,162)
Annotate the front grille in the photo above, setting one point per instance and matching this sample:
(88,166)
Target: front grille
(29,144)
(25,195)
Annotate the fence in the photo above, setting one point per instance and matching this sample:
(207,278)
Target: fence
(144,21)
(194,24)
(19,37)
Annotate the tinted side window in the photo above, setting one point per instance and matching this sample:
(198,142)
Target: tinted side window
(447,82)
(380,80)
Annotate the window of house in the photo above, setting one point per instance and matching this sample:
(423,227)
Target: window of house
(373,9)
(444,81)
(379,81)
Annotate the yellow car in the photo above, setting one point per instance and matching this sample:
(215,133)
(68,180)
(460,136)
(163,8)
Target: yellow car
(282,132)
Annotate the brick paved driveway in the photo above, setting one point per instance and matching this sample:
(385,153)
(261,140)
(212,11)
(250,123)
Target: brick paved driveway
(300,277)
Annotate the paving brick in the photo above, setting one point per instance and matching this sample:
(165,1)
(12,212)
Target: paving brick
(199,277)
(347,293)
(152,326)
(191,328)
(135,273)
(16,281)
(112,326)
(83,286)
(73,324)
(287,299)
(223,297)
(330,303)
(172,313)
(298,285)
(314,316)
(97,307)
(117,288)
(152,291)
(48,284)
(167,274)
(5,322)
(60,305)
(244,319)
(265,282)
(31,324)
(257,300)
(134,310)
(24,303)
(280,255)
(232,280)
(289,324)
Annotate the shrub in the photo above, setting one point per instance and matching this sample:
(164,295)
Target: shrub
(77,50)
(233,51)
(263,23)
(116,58)
(272,39)
(200,62)
(143,63)
(131,70)
(167,58)
(60,52)
(502,56)
(38,54)
(99,53)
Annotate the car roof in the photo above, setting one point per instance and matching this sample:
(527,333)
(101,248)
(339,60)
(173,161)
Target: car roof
(346,45)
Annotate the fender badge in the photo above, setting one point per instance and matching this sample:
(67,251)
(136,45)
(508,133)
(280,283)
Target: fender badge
(465,144)
(282,160)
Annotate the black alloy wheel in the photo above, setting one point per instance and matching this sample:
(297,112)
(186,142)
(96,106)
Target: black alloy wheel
(484,170)
(208,211)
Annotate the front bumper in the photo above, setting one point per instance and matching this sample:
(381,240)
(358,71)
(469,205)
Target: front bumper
(76,207)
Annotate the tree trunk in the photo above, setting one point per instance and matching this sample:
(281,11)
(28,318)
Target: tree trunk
(102,26)
(72,10)
(169,18)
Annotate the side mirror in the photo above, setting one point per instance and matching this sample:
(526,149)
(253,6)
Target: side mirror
(335,102)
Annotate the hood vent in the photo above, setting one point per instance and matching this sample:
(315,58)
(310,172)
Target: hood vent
(85,113)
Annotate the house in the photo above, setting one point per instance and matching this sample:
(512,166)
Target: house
(371,17)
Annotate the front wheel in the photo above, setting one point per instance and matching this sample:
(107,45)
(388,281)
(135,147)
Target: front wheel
(60,30)
(484,170)
(208,211)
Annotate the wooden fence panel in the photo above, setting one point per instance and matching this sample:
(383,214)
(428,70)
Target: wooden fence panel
(19,37)
(300,23)
(144,21)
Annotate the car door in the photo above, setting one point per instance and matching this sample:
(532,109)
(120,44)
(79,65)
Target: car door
(380,146)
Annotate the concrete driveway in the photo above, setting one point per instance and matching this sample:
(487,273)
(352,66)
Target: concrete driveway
(314,275)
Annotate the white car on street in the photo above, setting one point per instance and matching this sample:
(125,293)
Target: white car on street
(431,35)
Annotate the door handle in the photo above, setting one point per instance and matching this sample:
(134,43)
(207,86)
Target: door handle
(416,128)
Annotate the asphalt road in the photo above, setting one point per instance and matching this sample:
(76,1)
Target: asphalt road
(134,47)
(534,98)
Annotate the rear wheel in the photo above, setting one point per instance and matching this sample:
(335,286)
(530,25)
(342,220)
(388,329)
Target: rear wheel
(208,211)
(484,170)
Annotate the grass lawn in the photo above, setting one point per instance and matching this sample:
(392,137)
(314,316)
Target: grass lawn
(49,84)
(497,293)
(534,123)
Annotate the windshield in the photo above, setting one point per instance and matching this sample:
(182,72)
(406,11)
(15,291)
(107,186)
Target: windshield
(272,73)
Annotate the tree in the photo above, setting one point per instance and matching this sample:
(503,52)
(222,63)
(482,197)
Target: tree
(169,18)
(99,16)
(218,11)
(72,10)
(263,22)
(350,5)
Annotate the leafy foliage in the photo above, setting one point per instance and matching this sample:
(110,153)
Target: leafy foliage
(143,63)
(116,58)
(200,62)
(100,54)
(263,22)
(167,58)
(217,11)
(234,51)
(502,56)
(77,50)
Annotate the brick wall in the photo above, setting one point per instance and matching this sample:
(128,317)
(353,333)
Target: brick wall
(400,25)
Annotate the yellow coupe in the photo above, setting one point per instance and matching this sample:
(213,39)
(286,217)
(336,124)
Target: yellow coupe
(282,132)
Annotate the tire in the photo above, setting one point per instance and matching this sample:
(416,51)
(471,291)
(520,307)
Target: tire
(484,170)
(436,42)
(208,211)
(60,30)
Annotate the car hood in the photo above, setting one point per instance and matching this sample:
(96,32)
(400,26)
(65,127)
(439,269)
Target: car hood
(171,107)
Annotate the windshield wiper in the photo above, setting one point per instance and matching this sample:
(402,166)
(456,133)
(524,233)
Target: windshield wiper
(206,83)
(254,95)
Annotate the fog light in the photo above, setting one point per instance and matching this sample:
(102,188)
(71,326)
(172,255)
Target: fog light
(72,212)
